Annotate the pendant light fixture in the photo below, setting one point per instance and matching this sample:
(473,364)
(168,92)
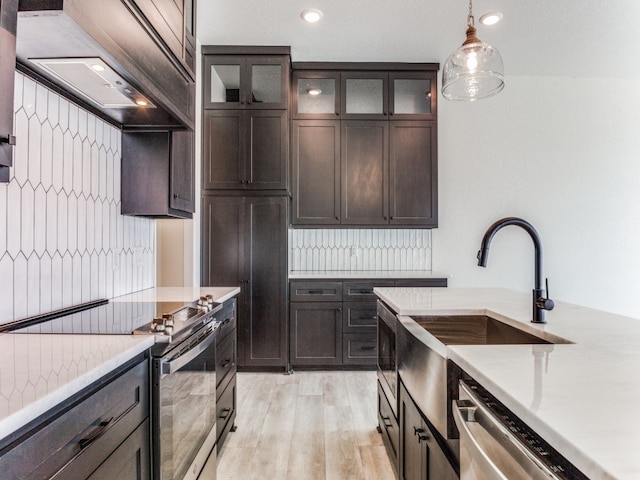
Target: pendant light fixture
(474,71)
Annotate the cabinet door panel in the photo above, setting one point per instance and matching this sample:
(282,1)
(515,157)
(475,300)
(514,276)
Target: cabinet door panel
(181,195)
(413,454)
(316,172)
(365,160)
(316,333)
(268,81)
(223,155)
(364,95)
(264,337)
(413,173)
(268,149)
(223,241)
(222,76)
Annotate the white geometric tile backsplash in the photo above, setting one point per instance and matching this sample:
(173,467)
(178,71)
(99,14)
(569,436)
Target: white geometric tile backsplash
(62,238)
(359,249)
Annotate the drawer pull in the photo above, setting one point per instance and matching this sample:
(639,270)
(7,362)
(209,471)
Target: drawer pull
(363,291)
(315,292)
(104,426)
(226,363)
(387,422)
(225,413)
(367,349)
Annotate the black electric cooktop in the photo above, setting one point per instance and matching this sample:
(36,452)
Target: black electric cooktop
(113,318)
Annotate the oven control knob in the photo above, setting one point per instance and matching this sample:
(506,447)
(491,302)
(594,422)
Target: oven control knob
(157,325)
(210,299)
(203,303)
(167,319)
(168,330)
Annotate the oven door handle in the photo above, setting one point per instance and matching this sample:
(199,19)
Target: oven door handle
(488,430)
(168,367)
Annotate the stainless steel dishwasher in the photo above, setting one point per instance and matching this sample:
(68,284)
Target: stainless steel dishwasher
(496,445)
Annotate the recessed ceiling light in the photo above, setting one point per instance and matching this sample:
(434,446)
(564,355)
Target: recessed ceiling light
(314,91)
(491,18)
(141,103)
(97,67)
(311,15)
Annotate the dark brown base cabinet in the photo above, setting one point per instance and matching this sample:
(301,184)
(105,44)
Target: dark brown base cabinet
(226,367)
(333,322)
(388,427)
(244,242)
(100,433)
(420,455)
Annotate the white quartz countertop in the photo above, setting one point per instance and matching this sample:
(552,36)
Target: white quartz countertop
(179,294)
(37,371)
(364,274)
(581,397)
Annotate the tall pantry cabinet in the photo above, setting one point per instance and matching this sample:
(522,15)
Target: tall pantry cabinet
(245,164)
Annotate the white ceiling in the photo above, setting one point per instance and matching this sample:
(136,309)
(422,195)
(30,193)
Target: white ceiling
(575,38)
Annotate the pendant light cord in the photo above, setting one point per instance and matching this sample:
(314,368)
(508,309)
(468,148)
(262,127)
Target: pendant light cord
(470,19)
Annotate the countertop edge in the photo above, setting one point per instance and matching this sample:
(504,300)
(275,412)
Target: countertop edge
(33,410)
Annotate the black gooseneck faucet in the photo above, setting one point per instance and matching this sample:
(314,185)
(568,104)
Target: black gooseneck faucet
(540,302)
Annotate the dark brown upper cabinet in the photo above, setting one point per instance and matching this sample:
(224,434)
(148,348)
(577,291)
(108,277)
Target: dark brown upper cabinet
(316,95)
(157,176)
(175,23)
(245,150)
(315,172)
(364,144)
(413,173)
(364,172)
(246,81)
(8,20)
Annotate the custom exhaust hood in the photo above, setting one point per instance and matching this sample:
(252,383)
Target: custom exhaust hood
(105,55)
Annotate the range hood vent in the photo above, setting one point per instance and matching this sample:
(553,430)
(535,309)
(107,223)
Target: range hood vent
(106,56)
(93,79)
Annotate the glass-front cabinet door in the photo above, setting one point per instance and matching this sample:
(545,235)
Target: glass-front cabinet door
(365,95)
(316,95)
(412,95)
(259,81)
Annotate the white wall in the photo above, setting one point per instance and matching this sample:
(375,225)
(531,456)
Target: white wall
(62,238)
(563,153)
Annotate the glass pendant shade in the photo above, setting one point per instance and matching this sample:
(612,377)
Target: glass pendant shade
(474,71)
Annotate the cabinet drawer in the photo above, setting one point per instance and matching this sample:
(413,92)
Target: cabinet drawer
(225,411)
(130,461)
(358,349)
(82,436)
(315,291)
(359,317)
(355,291)
(388,426)
(228,318)
(225,359)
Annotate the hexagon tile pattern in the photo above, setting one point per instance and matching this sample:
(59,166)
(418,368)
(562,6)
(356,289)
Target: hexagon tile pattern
(63,240)
(360,249)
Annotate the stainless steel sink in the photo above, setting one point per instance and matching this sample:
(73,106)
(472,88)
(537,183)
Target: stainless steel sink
(476,330)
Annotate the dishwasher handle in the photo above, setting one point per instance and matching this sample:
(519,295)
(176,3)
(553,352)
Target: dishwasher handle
(482,435)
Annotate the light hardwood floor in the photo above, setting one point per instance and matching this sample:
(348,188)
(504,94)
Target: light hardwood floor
(305,426)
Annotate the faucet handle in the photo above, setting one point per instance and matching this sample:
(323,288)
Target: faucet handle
(545,303)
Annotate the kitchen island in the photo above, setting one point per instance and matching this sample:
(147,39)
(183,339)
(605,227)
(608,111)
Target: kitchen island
(582,402)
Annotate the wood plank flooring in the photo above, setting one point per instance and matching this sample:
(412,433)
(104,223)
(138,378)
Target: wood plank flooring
(305,426)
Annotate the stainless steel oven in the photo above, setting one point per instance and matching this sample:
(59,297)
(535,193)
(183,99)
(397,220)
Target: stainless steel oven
(496,445)
(184,406)
(387,368)
(184,395)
